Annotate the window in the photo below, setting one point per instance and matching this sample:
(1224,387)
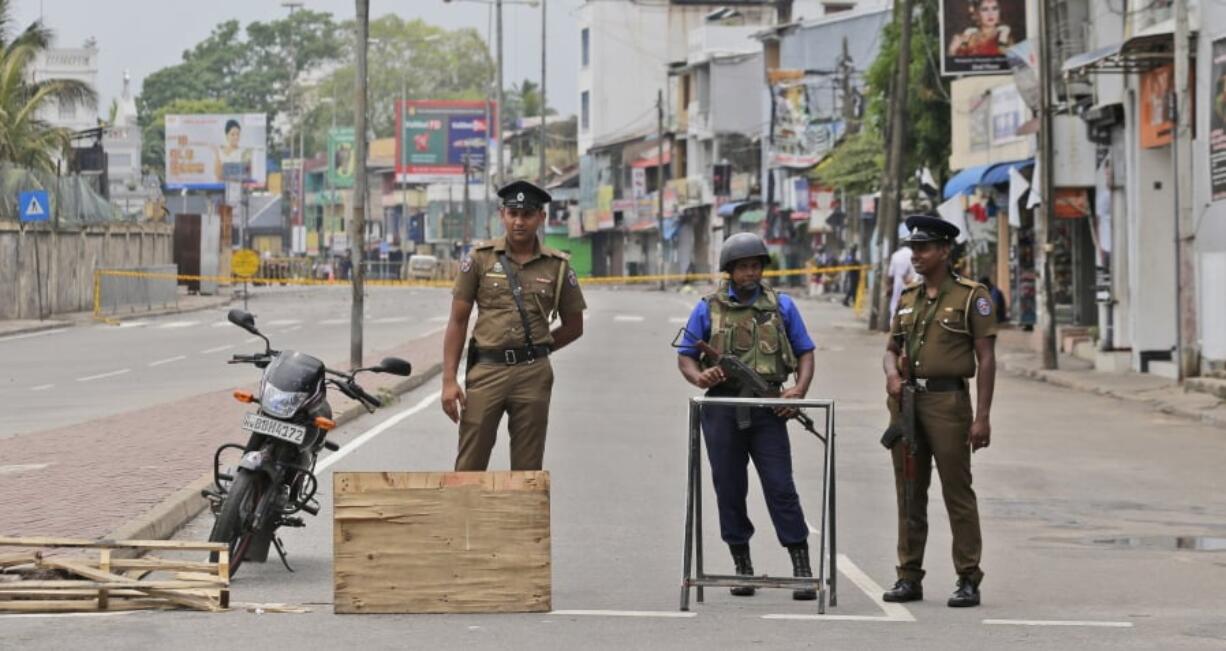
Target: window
(585,110)
(585,47)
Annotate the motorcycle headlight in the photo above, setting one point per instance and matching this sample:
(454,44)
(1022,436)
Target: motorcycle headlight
(281,404)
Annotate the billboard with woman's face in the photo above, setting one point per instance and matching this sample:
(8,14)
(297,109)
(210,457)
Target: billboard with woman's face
(976,33)
(204,151)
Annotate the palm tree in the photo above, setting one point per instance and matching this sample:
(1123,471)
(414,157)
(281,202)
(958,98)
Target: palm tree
(26,139)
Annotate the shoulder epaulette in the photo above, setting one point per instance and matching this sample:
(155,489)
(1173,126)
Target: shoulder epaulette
(554,253)
(913,286)
(966,282)
(483,245)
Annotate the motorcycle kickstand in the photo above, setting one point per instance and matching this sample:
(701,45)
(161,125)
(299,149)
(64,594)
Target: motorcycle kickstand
(280,546)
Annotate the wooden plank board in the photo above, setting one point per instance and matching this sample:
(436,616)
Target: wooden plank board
(10,560)
(81,605)
(441,542)
(69,584)
(8,541)
(80,569)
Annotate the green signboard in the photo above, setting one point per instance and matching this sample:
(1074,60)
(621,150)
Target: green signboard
(342,157)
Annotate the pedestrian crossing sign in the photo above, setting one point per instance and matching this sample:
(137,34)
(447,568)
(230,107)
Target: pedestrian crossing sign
(34,206)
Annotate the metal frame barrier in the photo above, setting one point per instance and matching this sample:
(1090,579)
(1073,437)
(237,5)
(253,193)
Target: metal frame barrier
(693,574)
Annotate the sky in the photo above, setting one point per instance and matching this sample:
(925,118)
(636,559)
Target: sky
(143,36)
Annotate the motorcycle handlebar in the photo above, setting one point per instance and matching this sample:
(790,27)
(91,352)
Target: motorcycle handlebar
(364,396)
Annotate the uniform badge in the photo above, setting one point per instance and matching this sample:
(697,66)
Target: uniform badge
(572,278)
(983,306)
(497,268)
(519,197)
(905,310)
(466,265)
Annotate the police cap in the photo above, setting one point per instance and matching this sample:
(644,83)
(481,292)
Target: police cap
(929,228)
(524,195)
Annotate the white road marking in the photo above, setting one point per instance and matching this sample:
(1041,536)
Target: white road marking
(21,467)
(664,614)
(221,324)
(216,349)
(439,319)
(1056,622)
(404,319)
(27,335)
(291,329)
(893,612)
(334,322)
(283,322)
(42,387)
(371,433)
(133,324)
(251,340)
(678,319)
(627,318)
(170,325)
(167,360)
(90,378)
(112,613)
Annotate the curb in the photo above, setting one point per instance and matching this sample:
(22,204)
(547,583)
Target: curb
(1158,405)
(165,311)
(41,327)
(162,521)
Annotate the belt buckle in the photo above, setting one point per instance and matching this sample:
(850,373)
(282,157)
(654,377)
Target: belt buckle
(921,384)
(508,356)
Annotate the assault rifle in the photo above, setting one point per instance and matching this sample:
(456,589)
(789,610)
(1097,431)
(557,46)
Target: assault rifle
(906,431)
(752,385)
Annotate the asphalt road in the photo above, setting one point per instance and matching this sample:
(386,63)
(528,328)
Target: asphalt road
(61,377)
(1081,499)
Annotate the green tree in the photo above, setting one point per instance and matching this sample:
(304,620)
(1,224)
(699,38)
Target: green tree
(26,139)
(153,135)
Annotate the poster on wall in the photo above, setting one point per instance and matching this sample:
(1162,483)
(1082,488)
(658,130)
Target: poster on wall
(1008,113)
(204,151)
(975,34)
(1157,116)
(1217,122)
(795,140)
(342,157)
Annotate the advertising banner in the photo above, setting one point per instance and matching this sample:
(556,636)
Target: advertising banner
(1008,113)
(976,34)
(204,151)
(342,157)
(437,136)
(794,138)
(1157,114)
(1217,122)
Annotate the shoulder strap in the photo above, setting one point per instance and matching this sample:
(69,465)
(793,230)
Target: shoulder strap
(557,290)
(517,291)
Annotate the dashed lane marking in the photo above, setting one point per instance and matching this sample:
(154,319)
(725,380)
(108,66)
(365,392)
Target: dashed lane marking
(42,387)
(283,322)
(172,325)
(132,324)
(439,319)
(662,614)
(168,360)
(91,378)
(1056,622)
(403,319)
(678,319)
(334,322)
(627,318)
(21,467)
(216,349)
(291,329)
(221,324)
(28,335)
(893,612)
(112,613)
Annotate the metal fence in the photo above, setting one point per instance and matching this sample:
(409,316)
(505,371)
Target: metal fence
(135,289)
(694,576)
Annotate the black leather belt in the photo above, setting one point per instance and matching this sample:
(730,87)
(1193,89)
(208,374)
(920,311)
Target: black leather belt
(511,356)
(936,384)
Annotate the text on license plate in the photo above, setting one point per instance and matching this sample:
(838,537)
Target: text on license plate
(274,428)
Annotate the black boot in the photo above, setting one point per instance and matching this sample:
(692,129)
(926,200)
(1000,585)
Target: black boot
(904,590)
(966,595)
(800,569)
(744,567)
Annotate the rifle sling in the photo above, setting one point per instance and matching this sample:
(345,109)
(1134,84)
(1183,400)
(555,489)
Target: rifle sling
(517,292)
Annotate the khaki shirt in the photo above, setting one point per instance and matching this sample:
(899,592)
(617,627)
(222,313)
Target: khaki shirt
(941,332)
(548,283)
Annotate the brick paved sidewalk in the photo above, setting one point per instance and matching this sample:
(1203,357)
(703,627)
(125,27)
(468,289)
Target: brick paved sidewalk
(89,479)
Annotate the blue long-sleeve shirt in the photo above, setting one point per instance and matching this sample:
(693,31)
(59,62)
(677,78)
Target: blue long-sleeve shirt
(698,327)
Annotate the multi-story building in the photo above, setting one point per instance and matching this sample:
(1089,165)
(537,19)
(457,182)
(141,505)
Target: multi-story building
(80,64)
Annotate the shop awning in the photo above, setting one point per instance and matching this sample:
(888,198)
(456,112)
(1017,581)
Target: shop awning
(965,181)
(1150,48)
(730,209)
(998,174)
(753,216)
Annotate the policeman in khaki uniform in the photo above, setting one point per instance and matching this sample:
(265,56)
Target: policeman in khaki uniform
(947,327)
(518,286)
(746,318)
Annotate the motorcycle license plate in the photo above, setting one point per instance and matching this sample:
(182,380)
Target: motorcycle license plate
(274,428)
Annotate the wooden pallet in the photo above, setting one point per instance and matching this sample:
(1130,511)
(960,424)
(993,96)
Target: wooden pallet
(33,581)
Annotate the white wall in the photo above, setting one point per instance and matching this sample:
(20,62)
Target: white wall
(1208,215)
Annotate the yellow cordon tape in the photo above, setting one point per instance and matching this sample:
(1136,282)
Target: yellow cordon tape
(311,282)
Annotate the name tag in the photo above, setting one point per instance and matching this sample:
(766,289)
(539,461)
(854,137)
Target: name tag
(905,310)
(494,275)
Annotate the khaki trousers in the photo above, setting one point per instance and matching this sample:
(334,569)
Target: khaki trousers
(522,391)
(944,422)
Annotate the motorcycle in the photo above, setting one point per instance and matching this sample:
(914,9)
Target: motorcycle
(275,478)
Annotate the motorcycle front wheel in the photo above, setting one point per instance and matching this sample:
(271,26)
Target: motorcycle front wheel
(233,524)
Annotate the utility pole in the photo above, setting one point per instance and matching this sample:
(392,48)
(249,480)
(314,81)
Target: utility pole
(541,173)
(1187,354)
(891,186)
(498,144)
(293,62)
(468,222)
(660,181)
(357,237)
(1043,221)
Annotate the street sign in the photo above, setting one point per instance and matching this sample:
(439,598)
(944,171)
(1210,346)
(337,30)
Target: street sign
(34,206)
(245,263)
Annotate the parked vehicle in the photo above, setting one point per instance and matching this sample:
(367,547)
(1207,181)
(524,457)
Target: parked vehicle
(423,267)
(275,478)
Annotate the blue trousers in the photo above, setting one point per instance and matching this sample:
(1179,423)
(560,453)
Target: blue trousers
(729,451)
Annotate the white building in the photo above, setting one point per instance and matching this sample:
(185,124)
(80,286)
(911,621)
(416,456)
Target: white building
(80,64)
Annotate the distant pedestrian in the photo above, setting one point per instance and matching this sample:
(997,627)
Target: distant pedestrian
(998,299)
(902,274)
(851,277)
(746,318)
(943,333)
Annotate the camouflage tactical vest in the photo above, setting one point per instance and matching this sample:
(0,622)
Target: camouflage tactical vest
(754,333)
